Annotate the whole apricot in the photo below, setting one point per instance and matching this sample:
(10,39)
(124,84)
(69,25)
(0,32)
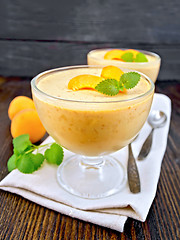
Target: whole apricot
(19,103)
(27,122)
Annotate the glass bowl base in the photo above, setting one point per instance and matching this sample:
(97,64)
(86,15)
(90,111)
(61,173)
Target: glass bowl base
(91,177)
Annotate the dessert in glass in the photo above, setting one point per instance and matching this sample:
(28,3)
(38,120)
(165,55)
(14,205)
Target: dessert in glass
(105,57)
(91,125)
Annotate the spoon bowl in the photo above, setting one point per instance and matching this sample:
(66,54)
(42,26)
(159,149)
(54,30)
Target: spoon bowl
(156,119)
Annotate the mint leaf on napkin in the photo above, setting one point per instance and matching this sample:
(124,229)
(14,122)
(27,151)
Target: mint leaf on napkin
(54,154)
(26,161)
(21,143)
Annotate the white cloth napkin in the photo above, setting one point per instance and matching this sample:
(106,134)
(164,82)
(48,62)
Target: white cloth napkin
(42,187)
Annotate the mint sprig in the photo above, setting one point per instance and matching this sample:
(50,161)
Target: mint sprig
(129,57)
(112,87)
(26,161)
(21,143)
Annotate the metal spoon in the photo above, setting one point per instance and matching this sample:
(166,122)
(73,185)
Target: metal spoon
(156,119)
(133,174)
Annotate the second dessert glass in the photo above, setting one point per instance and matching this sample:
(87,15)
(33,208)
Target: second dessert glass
(92,130)
(150,68)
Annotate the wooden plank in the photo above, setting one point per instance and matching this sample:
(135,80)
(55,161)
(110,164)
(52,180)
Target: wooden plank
(99,21)
(28,58)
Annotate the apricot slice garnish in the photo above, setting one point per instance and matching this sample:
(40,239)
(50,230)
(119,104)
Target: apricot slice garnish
(84,81)
(111,72)
(114,54)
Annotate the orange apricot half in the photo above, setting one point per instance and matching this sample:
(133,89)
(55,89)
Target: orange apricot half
(27,122)
(19,103)
(111,72)
(114,54)
(85,81)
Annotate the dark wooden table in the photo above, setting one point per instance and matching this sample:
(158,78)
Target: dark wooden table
(22,219)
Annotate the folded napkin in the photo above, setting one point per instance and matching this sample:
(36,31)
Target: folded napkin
(42,187)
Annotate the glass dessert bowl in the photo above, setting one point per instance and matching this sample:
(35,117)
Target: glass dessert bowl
(150,68)
(92,126)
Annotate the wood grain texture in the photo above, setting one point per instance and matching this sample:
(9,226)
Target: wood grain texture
(92,21)
(28,58)
(22,219)
(39,35)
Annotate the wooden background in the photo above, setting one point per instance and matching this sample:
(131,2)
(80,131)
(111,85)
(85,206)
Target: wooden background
(39,35)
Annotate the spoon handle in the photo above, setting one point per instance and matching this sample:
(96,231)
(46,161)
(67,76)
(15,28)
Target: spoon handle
(133,174)
(146,146)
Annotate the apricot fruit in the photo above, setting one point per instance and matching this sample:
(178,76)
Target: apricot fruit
(114,54)
(27,121)
(111,72)
(85,81)
(19,103)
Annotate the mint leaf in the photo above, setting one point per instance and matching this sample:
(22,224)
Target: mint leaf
(55,154)
(108,87)
(130,79)
(112,86)
(127,57)
(25,163)
(121,87)
(37,160)
(141,57)
(12,163)
(21,143)
(30,148)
